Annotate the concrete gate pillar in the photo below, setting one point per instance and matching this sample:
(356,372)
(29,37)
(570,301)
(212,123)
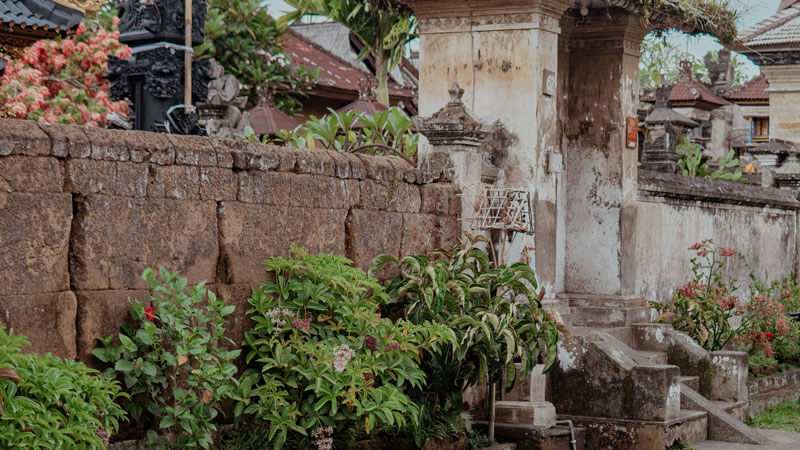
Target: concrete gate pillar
(784,96)
(504,54)
(601,178)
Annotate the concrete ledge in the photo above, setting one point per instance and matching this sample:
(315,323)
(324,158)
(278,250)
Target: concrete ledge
(658,184)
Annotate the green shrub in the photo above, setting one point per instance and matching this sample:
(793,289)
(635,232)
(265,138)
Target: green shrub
(325,365)
(787,349)
(172,362)
(47,402)
(383,133)
(494,312)
(760,364)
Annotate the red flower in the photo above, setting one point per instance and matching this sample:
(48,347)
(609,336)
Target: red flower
(768,335)
(150,313)
(370,342)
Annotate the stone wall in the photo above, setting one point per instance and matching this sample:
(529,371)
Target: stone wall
(83,211)
(674,212)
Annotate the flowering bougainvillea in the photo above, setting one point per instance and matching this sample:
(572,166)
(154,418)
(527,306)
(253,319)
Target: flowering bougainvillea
(61,80)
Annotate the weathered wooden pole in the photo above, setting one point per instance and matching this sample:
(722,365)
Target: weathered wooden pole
(187,85)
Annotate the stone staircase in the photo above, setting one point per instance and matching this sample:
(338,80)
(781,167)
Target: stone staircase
(645,385)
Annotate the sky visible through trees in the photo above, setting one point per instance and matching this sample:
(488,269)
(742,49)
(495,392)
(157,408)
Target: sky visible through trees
(751,12)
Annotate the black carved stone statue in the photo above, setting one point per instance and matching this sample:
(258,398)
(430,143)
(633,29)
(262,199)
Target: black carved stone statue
(152,78)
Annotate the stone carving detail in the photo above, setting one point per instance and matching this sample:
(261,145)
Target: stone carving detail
(143,21)
(162,69)
(222,115)
(455,23)
(775,58)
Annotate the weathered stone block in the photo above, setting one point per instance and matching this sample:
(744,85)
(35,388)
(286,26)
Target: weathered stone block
(730,376)
(371,233)
(34,236)
(315,162)
(656,393)
(23,137)
(179,182)
(528,389)
(341,163)
(437,167)
(436,198)
(100,314)
(115,239)
(538,414)
(396,196)
(651,336)
(218,183)
(30,174)
(108,145)
(194,150)
(47,320)
(67,140)
(251,233)
(130,179)
(301,190)
(89,176)
(378,168)
(420,233)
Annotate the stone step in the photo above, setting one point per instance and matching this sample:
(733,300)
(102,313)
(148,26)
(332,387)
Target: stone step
(691,381)
(537,414)
(602,301)
(688,427)
(736,409)
(606,317)
(653,357)
(527,436)
(722,426)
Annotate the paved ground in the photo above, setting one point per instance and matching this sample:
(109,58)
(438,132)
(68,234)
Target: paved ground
(780,440)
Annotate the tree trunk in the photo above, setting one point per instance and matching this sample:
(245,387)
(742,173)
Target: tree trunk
(382,74)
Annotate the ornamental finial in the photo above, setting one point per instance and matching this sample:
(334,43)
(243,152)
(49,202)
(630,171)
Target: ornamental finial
(455,93)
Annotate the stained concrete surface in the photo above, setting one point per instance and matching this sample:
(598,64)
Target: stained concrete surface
(778,440)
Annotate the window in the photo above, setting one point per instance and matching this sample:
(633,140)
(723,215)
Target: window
(760,129)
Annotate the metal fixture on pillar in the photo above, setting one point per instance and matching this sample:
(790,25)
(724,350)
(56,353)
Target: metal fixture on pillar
(155,78)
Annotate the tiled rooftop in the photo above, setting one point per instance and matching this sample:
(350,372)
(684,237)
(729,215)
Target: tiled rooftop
(39,14)
(753,90)
(781,28)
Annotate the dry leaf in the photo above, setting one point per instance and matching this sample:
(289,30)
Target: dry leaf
(9,374)
(323,318)
(207,397)
(182,359)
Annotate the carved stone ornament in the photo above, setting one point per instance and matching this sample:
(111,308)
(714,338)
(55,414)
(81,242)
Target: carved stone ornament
(145,21)
(769,58)
(162,69)
(453,124)
(87,6)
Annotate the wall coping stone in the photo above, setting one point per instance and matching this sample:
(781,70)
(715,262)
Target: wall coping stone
(773,382)
(668,185)
(25,137)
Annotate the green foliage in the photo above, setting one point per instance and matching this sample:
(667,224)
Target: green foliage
(172,362)
(243,38)
(384,133)
(785,416)
(691,159)
(761,364)
(714,17)
(384,26)
(691,163)
(47,402)
(703,307)
(494,312)
(325,364)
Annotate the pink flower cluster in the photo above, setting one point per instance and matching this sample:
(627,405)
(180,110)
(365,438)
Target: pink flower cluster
(62,80)
(342,354)
(323,438)
(303,324)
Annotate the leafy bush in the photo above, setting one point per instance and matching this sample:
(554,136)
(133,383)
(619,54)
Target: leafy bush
(761,364)
(61,80)
(171,361)
(384,133)
(47,402)
(494,312)
(326,366)
(243,38)
(704,306)
(692,164)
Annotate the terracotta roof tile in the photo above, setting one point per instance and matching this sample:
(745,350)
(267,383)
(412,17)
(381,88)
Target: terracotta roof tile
(690,90)
(336,73)
(781,28)
(753,90)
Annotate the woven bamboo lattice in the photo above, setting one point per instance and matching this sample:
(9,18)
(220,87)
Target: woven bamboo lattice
(504,209)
